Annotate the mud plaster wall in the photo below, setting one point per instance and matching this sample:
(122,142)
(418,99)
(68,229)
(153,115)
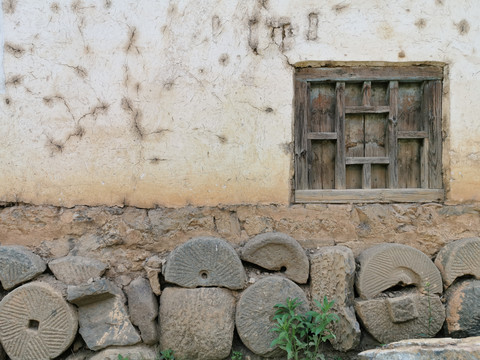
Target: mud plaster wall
(180,103)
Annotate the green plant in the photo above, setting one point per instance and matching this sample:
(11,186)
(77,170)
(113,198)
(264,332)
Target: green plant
(166,355)
(236,355)
(120,357)
(300,335)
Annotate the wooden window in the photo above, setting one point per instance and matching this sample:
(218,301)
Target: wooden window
(368,134)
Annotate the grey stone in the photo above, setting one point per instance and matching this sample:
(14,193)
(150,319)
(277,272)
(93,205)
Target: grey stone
(205,261)
(103,318)
(36,323)
(93,292)
(386,319)
(143,308)
(427,349)
(278,251)
(459,258)
(76,270)
(463,309)
(18,265)
(332,275)
(255,311)
(153,267)
(197,323)
(139,352)
(386,265)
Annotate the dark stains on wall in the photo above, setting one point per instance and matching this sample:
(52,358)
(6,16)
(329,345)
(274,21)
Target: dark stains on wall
(224,59)
(9,6)
(421,23)
(253,35)
(136,116)
(132,38)
(338,8)
(463,27)
(15,50)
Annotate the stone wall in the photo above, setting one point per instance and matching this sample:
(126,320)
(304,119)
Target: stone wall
(205,299)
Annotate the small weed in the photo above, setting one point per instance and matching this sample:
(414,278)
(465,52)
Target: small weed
(166,355)
(300,335)
(236,355)
(120,357)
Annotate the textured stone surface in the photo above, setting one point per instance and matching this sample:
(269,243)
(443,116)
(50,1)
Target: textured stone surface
(458,258)
(153,267)
(18,264)
(139,352)
(402,317)
(255,310)
(427,349)
(386,265)
(76,270)
(278,251)
(92,292)
(463,309)
(197,323)
(205,261)
(36,323)
(143,309)
(102,315)
(332,274)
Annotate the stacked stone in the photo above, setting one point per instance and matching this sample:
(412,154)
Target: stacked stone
(398,297)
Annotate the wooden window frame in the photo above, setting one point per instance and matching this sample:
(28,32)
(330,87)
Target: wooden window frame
(430,136)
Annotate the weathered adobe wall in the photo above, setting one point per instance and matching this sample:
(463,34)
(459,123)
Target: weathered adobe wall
(190,103)
(124,238)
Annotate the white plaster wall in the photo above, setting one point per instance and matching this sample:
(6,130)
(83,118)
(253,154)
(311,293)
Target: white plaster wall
(190,102)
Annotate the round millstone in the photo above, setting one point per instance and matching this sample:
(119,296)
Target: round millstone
(205,261)
(18,265)
(278,251)
(255,311)
(36,323)
(386,265)
(463,308)
(459,258)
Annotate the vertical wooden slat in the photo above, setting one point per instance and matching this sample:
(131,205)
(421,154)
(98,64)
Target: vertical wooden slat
(340,129)
(432,110)
(367,93)
(367,176)
(424,165)
(392,136)
(301,122)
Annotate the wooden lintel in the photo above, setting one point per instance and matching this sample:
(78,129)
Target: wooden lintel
(412,134)
(367,109)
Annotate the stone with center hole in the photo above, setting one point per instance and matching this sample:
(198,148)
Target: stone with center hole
(204,274)
(33,325)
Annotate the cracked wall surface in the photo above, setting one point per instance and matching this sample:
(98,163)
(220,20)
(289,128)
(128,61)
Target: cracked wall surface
(190,103)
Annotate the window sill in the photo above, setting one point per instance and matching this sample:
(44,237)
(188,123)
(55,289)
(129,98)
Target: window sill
(369,195)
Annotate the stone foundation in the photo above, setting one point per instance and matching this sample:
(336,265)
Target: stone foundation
(134,244)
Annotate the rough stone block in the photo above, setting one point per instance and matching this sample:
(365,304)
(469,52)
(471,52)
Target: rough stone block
(153,267)
(402,308)
(255,311)
(93,292)
(18,265)
(332,275)
(143,308)
(377,317)
(386,265)
(459,258)
(76,270)
(36,323)
(197,323)
(103,318)
(205,261)
(278,251)
(463,308)
(139,352)
(427,349)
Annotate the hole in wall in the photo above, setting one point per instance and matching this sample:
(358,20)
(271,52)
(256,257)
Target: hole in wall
(283,269)
(204,274)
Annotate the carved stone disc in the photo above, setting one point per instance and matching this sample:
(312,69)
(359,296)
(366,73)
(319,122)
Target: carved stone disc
(36,323)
